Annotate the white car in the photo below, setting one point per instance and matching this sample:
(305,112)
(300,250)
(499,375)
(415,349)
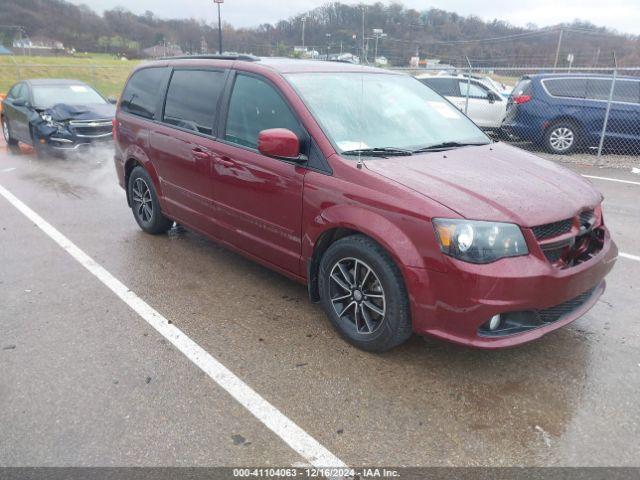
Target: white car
(487,107)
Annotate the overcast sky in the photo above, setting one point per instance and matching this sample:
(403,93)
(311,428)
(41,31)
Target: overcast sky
(623,15)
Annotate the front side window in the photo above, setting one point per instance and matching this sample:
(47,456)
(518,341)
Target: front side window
(379,110)
(192,99)
(140,96)
(19,92)
(256,106)
(15,91)
(475,90)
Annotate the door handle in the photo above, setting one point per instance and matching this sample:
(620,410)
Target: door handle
(200,154)
(225,161)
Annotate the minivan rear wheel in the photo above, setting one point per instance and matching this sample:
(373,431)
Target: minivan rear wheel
(145,204)
(363,294)
(562,138)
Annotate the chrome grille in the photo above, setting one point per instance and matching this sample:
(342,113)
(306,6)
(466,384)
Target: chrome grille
(91,128)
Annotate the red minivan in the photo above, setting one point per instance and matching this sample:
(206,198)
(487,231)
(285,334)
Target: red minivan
(399,213)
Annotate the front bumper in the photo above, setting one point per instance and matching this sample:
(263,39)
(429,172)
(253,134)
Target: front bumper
(74,136)
(454,305)
(71,143)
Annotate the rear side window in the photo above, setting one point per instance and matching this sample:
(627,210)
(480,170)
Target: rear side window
(627,91)
(567,87)
(446,87)
(255,106)
(192,99)
(140,96)
(598,89)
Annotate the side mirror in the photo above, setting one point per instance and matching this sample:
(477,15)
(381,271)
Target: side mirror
(492,97)
(280,143)
(19,102)
(112,100)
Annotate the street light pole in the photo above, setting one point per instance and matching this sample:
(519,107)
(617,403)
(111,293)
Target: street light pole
(219,2)
(378,33)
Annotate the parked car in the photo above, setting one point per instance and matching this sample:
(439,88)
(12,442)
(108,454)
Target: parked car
(504,90)
(487,108)
(56,116)
(563,112)
(396,211)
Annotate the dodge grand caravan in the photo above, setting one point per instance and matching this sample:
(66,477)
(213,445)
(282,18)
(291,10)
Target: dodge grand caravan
(398,213)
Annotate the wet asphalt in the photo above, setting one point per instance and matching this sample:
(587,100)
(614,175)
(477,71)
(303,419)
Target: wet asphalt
(84,381)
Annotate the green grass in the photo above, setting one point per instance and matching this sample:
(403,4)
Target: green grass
(103,72)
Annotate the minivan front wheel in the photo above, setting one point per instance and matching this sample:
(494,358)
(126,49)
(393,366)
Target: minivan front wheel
(562,138)
(145,204)
(363,294)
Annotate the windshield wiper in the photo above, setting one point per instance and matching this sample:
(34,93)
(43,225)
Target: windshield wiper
(447,146)
(380,152)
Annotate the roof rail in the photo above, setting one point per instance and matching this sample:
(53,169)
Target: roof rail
(239,57)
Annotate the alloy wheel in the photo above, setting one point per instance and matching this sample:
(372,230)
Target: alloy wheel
(357,296)
(142,200)
(561,139)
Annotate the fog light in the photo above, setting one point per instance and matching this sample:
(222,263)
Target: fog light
(494,323)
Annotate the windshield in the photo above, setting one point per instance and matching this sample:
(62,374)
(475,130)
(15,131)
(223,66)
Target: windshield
(46,96)
(372,110)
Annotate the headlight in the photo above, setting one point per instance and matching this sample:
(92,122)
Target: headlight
(50,122)
(479,242)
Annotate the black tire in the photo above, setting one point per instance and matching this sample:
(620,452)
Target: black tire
(562,137)
(367,330)
(42,151)
(144,203)
(6,133)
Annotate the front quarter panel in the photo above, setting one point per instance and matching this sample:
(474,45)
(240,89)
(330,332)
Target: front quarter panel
(360,200)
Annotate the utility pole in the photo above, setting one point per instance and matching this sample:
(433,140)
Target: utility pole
(304,23)
(378,33)
(364,53)
(597,58)
(219,2)
(555,64)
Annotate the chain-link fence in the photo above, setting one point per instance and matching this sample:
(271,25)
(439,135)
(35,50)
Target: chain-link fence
(578,112)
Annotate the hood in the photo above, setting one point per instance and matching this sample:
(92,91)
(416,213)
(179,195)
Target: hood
(63,112)
(493,182)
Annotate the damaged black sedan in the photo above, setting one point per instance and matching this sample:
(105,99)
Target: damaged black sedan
(56,116)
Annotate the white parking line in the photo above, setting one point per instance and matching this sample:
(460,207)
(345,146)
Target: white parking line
(629,257)
(294,436)
(612,179)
